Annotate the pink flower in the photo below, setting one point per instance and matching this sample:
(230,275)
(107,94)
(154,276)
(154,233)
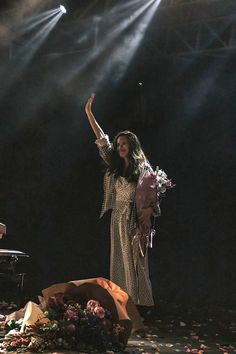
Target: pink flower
(99,312)
(72,315)
(91,304)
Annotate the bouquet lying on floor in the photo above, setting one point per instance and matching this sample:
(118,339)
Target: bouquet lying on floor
(65,326)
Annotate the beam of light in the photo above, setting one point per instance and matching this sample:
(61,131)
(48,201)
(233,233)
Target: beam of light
(111,36)
(42,18)
(29,49)
(22,57)
(121,9)
(33,18)
(192,102)
(62,9)
(124,11)
(121,27)
(121,58)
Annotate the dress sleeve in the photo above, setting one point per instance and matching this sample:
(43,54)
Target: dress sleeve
(105,148)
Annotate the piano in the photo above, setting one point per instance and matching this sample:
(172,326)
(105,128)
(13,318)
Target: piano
(12,272)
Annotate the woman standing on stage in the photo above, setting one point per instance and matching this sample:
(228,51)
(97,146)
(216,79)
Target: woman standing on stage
(130,229)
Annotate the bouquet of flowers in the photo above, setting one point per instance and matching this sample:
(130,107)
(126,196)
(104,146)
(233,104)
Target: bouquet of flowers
(163,183)
(151,187)
(70,327)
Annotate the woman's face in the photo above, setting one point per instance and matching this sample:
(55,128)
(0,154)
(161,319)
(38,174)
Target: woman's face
(122,146)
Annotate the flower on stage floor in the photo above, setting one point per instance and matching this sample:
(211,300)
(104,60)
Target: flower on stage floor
(70,327)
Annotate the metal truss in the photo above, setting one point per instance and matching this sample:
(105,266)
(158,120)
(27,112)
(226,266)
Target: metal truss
(177,32)
(168,4)
(180,28)
(94,8)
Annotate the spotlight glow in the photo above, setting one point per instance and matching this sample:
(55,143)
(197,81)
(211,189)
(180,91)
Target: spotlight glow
(63,9)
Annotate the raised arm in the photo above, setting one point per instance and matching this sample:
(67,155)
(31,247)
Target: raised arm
(94,124)
(102,142)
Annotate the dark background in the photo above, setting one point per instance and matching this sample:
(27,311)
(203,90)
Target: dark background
(51,175)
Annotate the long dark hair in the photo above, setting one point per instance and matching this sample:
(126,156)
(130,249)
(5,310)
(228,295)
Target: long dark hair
(137,158)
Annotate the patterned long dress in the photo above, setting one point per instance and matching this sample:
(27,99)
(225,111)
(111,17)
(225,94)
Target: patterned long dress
(128,271)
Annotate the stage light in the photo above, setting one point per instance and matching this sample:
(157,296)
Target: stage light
(63,9)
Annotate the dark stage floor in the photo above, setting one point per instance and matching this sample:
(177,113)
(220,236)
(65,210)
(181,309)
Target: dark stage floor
(176,329)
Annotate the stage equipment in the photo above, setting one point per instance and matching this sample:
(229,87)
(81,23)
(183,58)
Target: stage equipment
(63,9)
(12,273)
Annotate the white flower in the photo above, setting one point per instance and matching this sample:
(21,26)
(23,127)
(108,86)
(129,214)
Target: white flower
(162,174)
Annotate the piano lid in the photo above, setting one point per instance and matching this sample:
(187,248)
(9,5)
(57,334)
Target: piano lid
(6,252)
